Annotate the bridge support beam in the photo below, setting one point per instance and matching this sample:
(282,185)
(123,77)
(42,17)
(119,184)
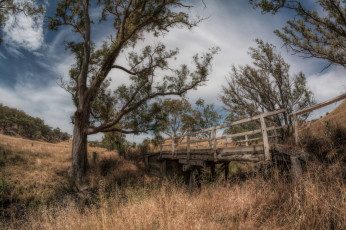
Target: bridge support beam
(226,170)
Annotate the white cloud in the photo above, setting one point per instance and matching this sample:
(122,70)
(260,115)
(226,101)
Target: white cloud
(328,84)
(24,31)
(50,103)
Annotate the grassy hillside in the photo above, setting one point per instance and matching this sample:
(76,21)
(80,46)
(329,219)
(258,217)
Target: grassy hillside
(17,123)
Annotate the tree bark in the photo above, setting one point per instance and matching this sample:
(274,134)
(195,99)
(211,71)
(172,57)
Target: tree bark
(79,148)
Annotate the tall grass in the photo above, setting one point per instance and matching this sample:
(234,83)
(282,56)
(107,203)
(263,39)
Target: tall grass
(317,201)
(120,195)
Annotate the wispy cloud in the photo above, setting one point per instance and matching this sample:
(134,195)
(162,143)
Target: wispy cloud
(24,31)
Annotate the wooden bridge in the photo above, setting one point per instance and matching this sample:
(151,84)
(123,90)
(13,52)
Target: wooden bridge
(189,153)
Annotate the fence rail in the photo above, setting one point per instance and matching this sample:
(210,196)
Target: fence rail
(213,140)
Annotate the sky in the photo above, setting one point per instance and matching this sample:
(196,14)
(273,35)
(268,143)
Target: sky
(32,58)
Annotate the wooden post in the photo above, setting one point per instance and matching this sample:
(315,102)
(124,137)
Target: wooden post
(226,142)
(163,168)
(173,146)
(296,128)
(95,158)
(188,149)
(276,136)
(214,144)
(226,170)
(267,155)
(160,149)
(212,170)
(296,168)
(246,142)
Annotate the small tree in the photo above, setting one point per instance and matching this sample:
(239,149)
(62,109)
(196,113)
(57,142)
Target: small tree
(312,33)
(176,118)
(99,109)
(265,86)
(205,117)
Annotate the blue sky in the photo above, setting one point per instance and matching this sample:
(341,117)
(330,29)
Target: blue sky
(32,58)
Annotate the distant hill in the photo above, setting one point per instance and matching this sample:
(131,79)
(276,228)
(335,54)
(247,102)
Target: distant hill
(17,123)
(336,117)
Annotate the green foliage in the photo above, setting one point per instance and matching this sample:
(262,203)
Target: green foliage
(13,121)
(205,117)
(115,141)
(12,7)
(176,117)
(312,33)
(149,72)
(264,86)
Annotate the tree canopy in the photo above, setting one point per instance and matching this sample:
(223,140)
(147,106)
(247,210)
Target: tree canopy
(312,33)
(101,105)
(12,7)
(265,86)
(16,122)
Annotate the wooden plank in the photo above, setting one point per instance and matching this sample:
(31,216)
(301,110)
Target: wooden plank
(188,148)
(192,162)
(246,140)
(173,146)
(252,132)
(267,154)
(214,144)
(202,157)
(240,150)
(249,140)
(245,120)
(242,157)
(320,105)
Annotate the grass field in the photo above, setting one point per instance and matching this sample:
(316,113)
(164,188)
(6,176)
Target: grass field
(37,193)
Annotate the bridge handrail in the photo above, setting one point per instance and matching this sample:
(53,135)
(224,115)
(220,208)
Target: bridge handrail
(263,129)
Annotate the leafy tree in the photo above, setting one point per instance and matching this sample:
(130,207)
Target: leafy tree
(150,76)
(205,115)
(176,118)
(265,86)
(312,33)
(13,121)
(12,7)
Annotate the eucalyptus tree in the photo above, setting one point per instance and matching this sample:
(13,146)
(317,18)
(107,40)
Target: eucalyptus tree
(205,116)
(176,118)
(12,7)
(319,33)
(149,72)
(265,86)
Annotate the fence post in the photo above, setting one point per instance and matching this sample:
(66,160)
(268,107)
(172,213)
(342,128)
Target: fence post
(276,136)
(296,128)
(188,149)
(267,155)
(214,144)
(173,146)
(160,149)
(246,142)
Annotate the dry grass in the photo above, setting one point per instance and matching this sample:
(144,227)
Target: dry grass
(316,202)
(119,195)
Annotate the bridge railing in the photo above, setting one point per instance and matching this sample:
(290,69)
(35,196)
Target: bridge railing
(310,109)
(213,140)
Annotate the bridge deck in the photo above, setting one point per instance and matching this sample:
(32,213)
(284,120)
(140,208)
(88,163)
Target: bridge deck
(245,153)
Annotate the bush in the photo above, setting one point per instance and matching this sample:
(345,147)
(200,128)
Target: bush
(328,147)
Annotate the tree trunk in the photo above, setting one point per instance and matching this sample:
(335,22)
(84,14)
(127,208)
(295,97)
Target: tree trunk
(79,148)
